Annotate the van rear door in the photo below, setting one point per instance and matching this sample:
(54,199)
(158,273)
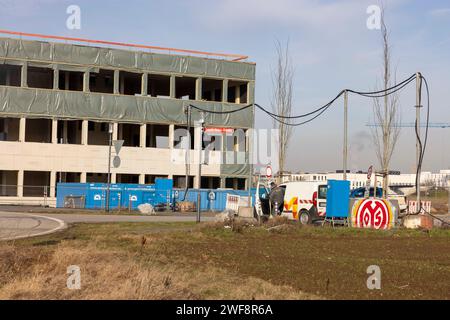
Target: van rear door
(321,200)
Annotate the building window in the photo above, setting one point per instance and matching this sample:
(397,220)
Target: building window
(10,75)
(41,78)
(70,80)
(102,82)
(212,89)
(157,136)
(185,88)
(158,85)
(130,83)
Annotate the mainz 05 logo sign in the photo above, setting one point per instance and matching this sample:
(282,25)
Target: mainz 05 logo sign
(372,213)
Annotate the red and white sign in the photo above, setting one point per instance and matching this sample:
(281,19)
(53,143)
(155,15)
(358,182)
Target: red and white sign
(219,130)
(372,213)
(269,171)
(413,207)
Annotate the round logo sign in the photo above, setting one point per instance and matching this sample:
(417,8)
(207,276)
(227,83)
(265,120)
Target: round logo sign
(372,213)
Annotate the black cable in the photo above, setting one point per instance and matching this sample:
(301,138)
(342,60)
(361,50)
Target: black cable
(384,90)
(222,112)
(387,93)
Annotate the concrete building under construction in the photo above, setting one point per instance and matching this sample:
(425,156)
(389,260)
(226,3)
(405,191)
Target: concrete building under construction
(57,101)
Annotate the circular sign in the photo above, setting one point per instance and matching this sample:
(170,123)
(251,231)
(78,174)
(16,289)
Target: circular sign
(175,194)
(212,195)
(372,213)
(116,161)
(269,171)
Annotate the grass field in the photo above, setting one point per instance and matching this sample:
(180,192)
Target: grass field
(209,261)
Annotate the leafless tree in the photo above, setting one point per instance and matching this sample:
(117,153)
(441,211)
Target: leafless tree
(281,100)
(386,112)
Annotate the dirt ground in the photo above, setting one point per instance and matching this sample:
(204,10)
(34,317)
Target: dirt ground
(211,261)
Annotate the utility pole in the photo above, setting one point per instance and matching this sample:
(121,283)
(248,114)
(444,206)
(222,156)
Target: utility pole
(345,149)
(418,106)
(110,131)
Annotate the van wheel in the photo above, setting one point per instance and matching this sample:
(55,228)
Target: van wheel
(305,217)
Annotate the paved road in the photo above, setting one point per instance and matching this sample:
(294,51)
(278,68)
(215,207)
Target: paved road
(23,225)
(102,218)
(14,225)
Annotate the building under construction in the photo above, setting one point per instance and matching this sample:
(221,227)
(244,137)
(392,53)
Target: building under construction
(58,99)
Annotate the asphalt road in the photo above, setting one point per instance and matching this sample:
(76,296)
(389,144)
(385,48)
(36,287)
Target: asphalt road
(23,225)
(15,225)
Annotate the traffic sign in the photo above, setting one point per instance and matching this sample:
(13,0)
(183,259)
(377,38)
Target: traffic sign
(212,195)
(116,161)
(118,145)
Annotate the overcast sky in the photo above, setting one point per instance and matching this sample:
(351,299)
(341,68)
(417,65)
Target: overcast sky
(331,47)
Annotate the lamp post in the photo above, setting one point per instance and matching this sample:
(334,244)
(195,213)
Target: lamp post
(110,132)
(201,121)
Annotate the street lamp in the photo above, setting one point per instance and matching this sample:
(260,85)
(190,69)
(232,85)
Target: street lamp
(200,122)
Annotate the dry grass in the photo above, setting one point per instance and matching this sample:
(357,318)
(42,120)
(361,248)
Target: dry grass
(40,273)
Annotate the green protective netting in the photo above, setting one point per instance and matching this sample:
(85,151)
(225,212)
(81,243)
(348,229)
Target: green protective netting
(16,101)
(123,59)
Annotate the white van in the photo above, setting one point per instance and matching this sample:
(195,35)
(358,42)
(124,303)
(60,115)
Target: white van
(303,201)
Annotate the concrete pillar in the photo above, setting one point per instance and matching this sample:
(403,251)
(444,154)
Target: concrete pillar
(222,182)
(143,136)
(235,183)
(84,132)
(52,184)
(121,84)
(113,177)
(55,131)
(171,135)
(86,78)
(83,177)
(142,178)
(172,86)
(56,78)
(238,94)
(144,84)
(116,81)
(22,126)
(198,89)
(115,131)
(225,90)
(251,92)
(24,75)
(20,183)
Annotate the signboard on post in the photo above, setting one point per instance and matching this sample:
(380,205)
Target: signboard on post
(269,171)
(413,207)
(117,146)
(219,130)
(369,177)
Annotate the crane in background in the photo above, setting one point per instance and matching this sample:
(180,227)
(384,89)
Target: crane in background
(440,125)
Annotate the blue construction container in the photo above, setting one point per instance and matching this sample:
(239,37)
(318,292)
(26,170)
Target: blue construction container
(338,199)
(93,195)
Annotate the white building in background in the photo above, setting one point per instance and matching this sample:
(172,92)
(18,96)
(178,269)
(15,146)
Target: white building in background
(403,180)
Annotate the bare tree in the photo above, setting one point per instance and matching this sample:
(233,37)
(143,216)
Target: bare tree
(386,112)
(281,100)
